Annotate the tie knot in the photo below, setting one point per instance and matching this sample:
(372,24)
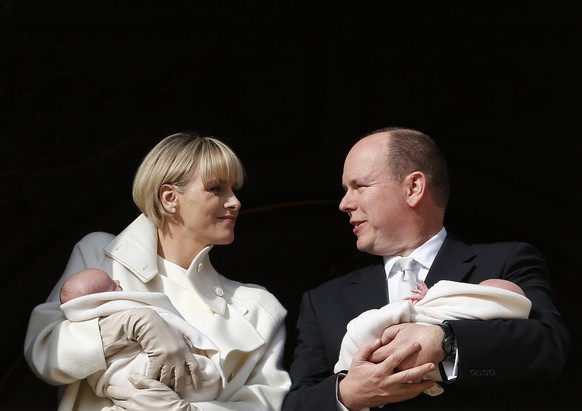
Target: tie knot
(404,268)
(405,263)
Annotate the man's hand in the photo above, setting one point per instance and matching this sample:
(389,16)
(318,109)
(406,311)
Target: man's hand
(170,359)
(148,395)
(372,384)
(396,337)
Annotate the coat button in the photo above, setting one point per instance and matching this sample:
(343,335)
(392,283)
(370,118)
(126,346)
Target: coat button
(218,291)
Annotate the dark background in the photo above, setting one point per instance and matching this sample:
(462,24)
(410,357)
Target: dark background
(86,91)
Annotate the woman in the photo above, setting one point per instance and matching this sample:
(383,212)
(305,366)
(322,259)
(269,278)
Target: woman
(184,189)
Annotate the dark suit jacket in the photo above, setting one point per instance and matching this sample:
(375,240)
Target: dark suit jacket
(503,364)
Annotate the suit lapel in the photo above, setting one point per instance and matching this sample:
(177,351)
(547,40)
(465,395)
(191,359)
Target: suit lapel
(454,262)
(367,290)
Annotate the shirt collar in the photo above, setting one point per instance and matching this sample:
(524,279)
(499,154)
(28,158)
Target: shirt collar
(424,254)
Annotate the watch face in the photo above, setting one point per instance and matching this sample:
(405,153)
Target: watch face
(448,342)
(449,345)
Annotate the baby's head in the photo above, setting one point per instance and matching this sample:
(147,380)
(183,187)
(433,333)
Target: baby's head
(505,284)
(89,281)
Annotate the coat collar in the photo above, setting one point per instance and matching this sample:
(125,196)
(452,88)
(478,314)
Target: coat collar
(206,281)
(136,249)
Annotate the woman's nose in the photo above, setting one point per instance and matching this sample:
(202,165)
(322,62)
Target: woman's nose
(234,203)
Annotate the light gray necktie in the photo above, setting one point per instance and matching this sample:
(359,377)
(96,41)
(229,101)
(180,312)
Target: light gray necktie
(406,277)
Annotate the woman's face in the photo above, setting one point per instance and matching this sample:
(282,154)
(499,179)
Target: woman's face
(206,215)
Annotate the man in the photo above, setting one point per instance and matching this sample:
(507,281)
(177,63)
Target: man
(396,193)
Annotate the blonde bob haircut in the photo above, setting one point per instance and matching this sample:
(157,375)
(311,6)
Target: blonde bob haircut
(175,160)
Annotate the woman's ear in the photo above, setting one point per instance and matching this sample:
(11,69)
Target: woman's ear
(168,198)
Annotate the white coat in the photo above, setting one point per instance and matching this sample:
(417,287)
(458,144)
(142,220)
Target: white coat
(245,321)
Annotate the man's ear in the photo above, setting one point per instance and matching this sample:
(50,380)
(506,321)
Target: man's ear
(416,187)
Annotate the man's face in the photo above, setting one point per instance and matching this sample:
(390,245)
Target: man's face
(374,201)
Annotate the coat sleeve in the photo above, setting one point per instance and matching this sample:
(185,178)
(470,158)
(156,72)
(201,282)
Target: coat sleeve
(57,350)
(60,351)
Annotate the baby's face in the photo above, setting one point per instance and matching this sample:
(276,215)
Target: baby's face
(104,283)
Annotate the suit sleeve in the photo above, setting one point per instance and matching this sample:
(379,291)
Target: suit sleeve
(314,383)
(520,350)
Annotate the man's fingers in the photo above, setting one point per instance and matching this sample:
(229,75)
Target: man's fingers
(365,351)
(393,360)
(416,375)
(389,334)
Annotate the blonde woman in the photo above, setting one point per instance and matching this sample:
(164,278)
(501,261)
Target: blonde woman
(185,190)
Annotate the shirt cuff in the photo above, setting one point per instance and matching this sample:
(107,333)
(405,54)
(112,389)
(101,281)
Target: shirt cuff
(449,368)
(339,405)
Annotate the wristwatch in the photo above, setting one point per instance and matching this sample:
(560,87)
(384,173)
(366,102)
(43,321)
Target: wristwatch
(449,342)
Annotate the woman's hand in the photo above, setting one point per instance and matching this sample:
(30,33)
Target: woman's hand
(170,359)
(148,395)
